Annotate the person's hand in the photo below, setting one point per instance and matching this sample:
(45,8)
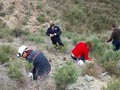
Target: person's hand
(106,40)
(55,34)
(89,61)
(30,75)
(51,35)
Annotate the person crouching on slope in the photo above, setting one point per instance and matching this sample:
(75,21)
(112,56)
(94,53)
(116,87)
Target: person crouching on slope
(41,65)
(81,51)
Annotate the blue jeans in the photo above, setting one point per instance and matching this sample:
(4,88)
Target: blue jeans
(116,43)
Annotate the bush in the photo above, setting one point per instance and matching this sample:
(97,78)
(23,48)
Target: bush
(75,15)
(62,48)
(113,85)
(93,14)
(2,14)
(109,66)
(92,70)
(98,49)
(6,52)
(18,32)
(75,40)
(110,55)
(14,70)
(28,66)
(35,38)
(41,18)
(65,75)
(110,60)
(68,35)
(5,33)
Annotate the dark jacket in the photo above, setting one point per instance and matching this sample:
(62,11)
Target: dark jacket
(40,63)
(56,30)
(115,35)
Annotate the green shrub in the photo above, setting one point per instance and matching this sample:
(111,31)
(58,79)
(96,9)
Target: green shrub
(65,75)
(113,85)
(41,18)
(10,38)
(2,14)
(62,48)
(35,38)
(98,49)
(42,32)
(17,32)
(5,33)
(110,55)
(110,60)
(6,52)
(75,40)
(94,15)
(28,66)
(110,66)
(14,70)
(25,20)
(68,35)
(75,15)
(39,6)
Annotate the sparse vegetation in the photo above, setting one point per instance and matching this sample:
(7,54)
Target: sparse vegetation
(17,32)
(6,52)
(35,38)
(110,60)
(113,85)
(92,69)
(64,75)
(15,70)
(28,66)
(41,18)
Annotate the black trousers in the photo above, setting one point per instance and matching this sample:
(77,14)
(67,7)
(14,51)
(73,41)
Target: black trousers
(38,73)
(81,58)
(56,40)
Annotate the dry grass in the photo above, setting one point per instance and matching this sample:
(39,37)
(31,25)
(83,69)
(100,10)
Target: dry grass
(92,70)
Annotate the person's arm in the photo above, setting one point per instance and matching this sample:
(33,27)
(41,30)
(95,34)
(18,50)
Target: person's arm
(86,55)
(58,31)
(48,32)
(35,71)
(110,37)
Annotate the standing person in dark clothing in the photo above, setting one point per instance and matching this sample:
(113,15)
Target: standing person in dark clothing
(115,37)
(54,32)
(40,62)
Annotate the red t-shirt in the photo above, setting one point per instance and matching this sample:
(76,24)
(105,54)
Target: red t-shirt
(81,49)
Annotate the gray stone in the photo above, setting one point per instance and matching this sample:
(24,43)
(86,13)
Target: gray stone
(89,78)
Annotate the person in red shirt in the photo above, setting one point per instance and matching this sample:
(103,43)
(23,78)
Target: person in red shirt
(81,51)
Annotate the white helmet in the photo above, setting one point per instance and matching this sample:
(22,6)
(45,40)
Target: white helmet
(21,50)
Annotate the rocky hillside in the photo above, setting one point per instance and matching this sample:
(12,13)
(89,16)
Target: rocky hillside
(24,22)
